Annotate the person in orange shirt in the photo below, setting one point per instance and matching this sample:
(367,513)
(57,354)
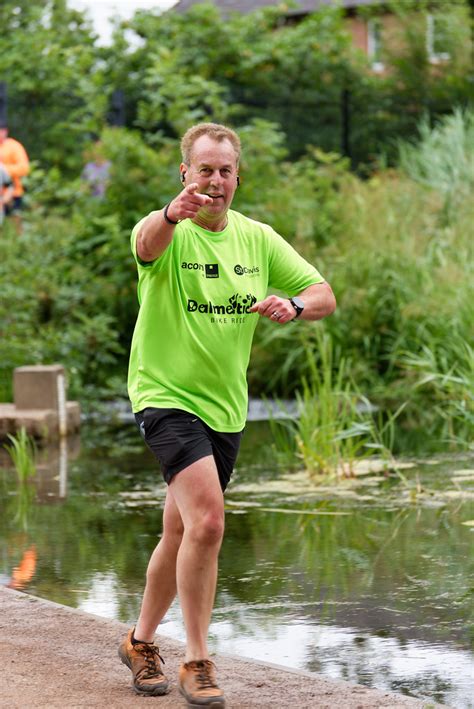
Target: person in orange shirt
(6,191)
(14,159)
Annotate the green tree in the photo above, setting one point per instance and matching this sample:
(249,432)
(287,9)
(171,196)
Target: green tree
(50,65)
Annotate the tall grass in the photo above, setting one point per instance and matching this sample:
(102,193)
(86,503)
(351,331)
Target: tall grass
(336,425)
(401,265)
(448,383)
(22,451)
(443,158)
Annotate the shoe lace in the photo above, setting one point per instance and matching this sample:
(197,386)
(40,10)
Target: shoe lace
(205,674)
(152,657)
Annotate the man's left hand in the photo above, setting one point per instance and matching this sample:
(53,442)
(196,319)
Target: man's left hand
(277,309)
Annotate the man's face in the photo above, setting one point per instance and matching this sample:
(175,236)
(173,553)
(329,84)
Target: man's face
(214,168)
(3,134)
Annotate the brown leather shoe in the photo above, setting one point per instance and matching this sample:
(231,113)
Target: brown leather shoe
(197,683)
(144,660)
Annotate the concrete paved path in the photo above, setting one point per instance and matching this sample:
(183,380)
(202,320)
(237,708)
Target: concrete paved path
(55,656)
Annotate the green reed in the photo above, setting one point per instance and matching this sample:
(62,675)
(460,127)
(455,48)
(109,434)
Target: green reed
(22,451)
(336,425)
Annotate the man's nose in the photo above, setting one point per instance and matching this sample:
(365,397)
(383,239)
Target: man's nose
(216,177)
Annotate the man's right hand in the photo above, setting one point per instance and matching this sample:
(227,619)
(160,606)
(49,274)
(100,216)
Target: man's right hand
(156,234)
(188,203)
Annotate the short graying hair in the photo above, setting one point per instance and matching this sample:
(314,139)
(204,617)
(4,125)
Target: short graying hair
(216,131)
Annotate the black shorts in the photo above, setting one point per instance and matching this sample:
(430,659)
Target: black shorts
(16,205)
(178,439)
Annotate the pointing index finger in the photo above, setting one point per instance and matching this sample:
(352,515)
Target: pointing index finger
(192,189)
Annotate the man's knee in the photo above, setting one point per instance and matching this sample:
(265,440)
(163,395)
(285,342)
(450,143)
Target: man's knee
(209,529)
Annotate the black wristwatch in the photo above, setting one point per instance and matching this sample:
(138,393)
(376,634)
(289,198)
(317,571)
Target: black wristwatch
(298,305)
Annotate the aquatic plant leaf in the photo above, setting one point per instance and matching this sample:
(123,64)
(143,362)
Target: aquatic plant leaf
(456,494)
(141,494)
(378,465)
(241,503)
(142,503)
(282,510)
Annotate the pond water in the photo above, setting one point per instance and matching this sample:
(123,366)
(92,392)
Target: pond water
(370,582)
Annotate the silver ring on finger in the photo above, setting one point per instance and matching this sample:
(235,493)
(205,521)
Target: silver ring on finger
(276,315)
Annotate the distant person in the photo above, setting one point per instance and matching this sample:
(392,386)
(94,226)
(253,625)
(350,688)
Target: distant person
(204,271)
(6,192)
(14,160)
(96,171)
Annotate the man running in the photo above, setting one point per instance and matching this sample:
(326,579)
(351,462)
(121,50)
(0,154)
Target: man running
(203,275)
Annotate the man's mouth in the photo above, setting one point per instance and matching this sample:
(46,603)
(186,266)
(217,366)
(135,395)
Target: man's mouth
(216,196)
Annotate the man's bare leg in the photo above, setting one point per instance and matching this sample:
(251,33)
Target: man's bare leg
(160,589)
(198,496)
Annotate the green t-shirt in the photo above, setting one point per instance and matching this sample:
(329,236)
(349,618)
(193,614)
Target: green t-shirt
(192,340)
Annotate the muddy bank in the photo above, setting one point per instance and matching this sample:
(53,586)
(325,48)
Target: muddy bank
(55,656)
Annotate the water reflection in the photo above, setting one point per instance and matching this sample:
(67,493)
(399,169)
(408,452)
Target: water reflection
(23,572)
(101,595)
(50,482)
(342,653)
(19,553)
(52,468)
(379,595)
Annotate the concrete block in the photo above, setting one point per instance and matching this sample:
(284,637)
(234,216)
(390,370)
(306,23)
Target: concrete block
(7,420)
(39,387)
(40,404)
(73,411)
(39,424)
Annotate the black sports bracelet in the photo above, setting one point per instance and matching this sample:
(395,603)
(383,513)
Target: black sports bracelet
(165,214)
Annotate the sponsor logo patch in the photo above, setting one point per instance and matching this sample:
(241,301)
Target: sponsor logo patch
(245,270)
(210,270)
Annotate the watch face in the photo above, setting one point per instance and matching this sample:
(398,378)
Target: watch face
(298,305)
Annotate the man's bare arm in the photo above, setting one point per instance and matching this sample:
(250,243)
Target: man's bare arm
(318,299)
(156,233)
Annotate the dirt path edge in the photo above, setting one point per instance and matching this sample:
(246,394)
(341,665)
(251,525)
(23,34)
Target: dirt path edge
(56,656)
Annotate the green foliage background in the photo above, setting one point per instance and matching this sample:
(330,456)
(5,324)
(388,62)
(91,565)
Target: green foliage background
(390,226)
(176,69)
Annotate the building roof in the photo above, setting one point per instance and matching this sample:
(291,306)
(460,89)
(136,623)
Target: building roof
(298,7)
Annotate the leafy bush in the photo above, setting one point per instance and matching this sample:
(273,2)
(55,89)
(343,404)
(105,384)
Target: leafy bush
(402,271)
(306,76)
(399,260)
(48,310)
(443,158)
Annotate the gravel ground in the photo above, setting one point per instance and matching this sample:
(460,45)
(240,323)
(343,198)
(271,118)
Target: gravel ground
(55,656)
